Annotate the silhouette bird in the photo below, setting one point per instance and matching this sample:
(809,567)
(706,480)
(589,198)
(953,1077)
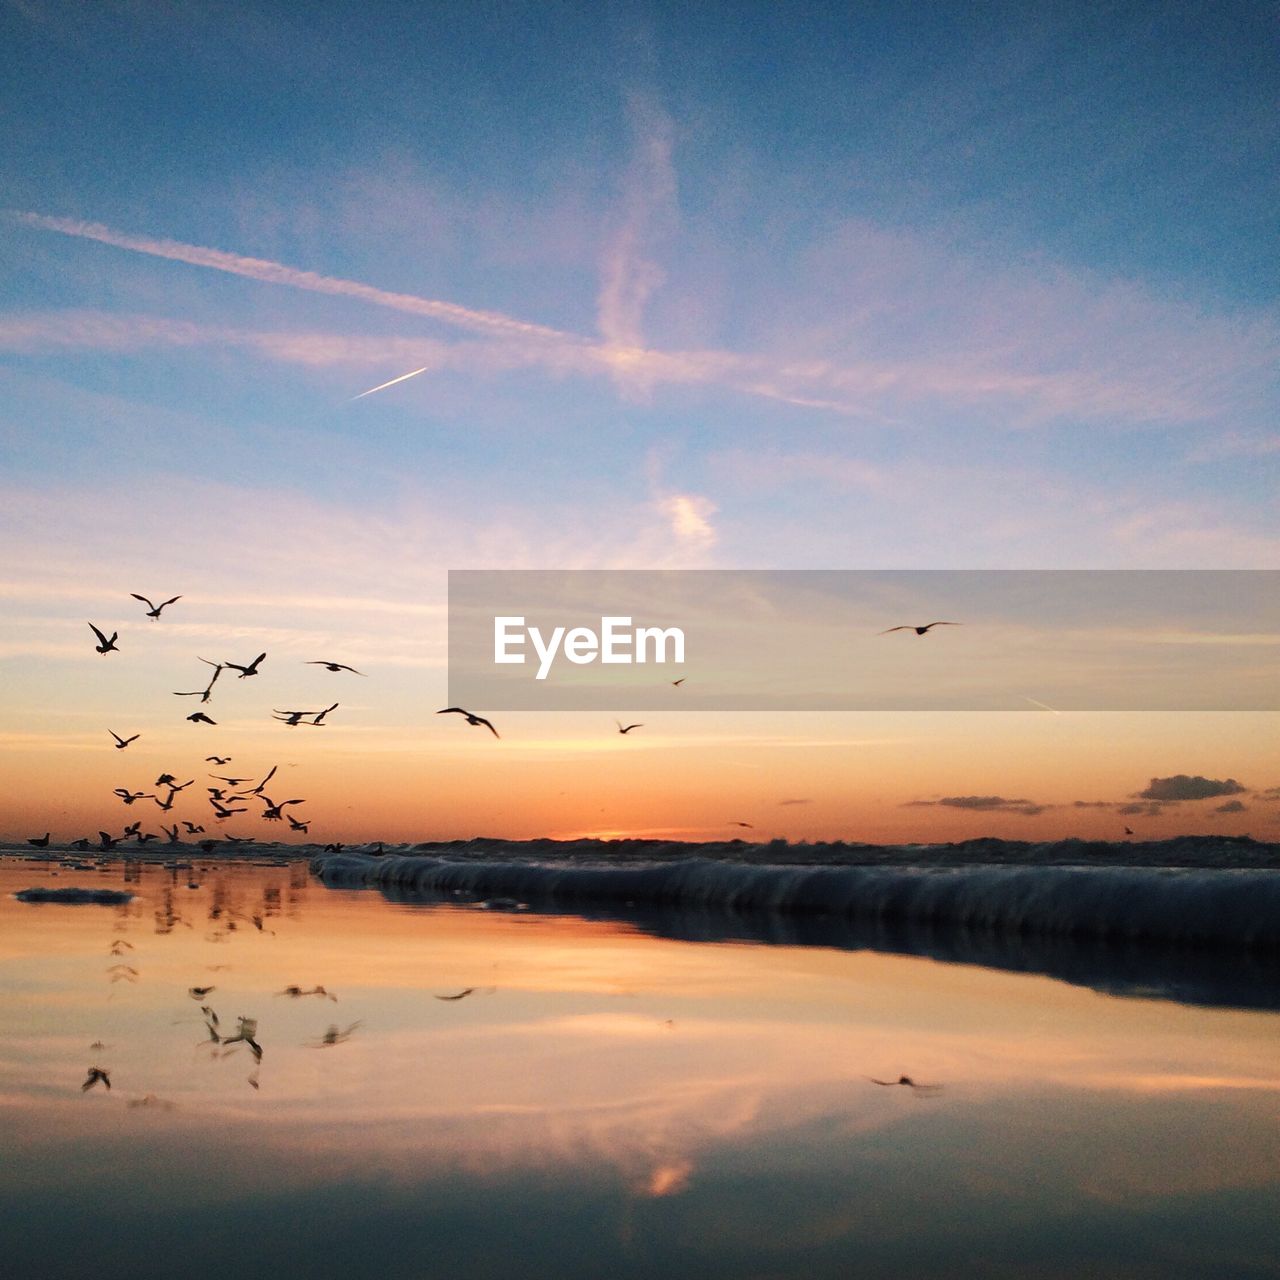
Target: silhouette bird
(104,645)
(675,684)
(96,1075)
(200,993)
(741,824)
(320,717)
(471,719)
(40,842)
(921,630)
(295,992)
(218,760)
(257,791)
(333,666)
(129,797)
(223,811)
(250,670)
(154,610)
(627,728)
(1128,831)
(192,828)
(231,782)
(143,836)
(207,692)
(334,1036)
(246,1031)
(199,717)
(290,717)
(274,812)
(171,832)
(121,743)
(106,842)
(295,825)
(909,1082)
(466,991)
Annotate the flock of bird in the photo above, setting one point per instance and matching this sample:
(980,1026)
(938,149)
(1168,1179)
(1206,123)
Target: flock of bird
(224,801)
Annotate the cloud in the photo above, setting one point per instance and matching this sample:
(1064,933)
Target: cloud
(629,276)
(798,800)
(1149,810)
(1186,787)
(1232,806)
(690,516)
(984,804)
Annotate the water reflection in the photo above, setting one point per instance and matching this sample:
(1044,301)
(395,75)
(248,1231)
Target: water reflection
(604,1100)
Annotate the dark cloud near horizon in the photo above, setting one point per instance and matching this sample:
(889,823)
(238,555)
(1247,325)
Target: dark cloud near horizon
(1232,806)
(1151,809)
(983,804)
(1182,786)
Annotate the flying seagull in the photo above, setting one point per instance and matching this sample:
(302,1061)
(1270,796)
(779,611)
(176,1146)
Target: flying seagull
(96,1074)
(333,666)
(250,670)
(675,684)
(909,1082)
(921,630)
(466,991)
(154,610)
(104,645)
(295,825)
(121,743)
(218,760)
(627,728)
(199,717)
(471,719)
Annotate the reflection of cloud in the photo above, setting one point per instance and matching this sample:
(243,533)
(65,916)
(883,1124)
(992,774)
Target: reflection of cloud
(1183,786)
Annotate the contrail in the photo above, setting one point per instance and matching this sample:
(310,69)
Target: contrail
(1033,701)
(384,385)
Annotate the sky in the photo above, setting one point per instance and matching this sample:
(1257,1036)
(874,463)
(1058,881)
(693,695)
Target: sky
(718,286)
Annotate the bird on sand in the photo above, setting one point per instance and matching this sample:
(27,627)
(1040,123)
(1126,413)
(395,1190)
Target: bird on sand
(121,743)
(104,645)
(96,1075)
(40,842)
(333,666)
(154,610)
(471,719)
(199,717)
(921,630)
(250,670)
(627,728)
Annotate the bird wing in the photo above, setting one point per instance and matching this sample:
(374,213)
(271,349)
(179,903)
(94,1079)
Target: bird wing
(487,725)
(167,603)
(944,624)
(144,600)
(101,638)
(444,711)
(885,633)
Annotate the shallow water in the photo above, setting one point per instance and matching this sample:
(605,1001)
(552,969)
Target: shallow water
(605,1101)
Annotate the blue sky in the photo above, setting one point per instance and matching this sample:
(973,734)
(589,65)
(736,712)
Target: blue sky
(734,285)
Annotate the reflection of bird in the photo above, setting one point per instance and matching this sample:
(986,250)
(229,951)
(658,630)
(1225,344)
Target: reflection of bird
(121,743)
(921,630)
(627,728)
(334,666)
(104,645)
(471,719)
(250,670)
(96,1074)
(154,610)
(466,991)
(909,1082)
(40,842)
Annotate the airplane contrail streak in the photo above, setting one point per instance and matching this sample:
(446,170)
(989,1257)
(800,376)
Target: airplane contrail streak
(384,385)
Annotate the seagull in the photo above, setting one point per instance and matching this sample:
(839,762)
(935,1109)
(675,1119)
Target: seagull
(223,812)
(742,824)
(130,796)
(247,1029)
(466,991)
(143,836)
(290,717)
(199,993)
(471,719)
(106,842)
(675,684)
(909,1082)
(294,992)
(192,828)
(40,842)
(171,832)
(274,812)
(257,791)
(320,717)
(95,1074)
(334,1036)
(218,760)
(104,645)
(295,825)
(121,743)
(1128,831)
(153,610)
(628,728)
(333,666)
(231,782)
(921,630)
(199,717)
(250,670)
